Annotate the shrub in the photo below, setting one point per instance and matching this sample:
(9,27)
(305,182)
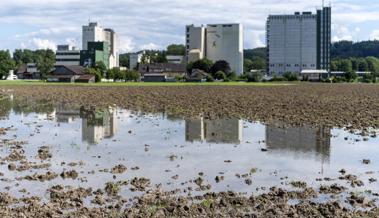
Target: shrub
(220,75)
(132,75)
(210,78)
(291,76)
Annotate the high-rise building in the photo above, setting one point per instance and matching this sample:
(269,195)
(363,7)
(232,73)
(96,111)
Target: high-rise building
(96,51)
(94,33)
(67,55)
(299,42)
(216,42)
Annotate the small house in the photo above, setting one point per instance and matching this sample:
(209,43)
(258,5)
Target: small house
(70,74)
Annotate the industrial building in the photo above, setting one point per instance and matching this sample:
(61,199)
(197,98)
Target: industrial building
(216,42)
(67,55)
(95,33)
(298,42)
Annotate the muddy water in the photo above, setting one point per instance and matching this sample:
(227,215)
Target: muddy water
(172,151)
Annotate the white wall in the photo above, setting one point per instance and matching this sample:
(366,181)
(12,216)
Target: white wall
(195,37)
(225,42)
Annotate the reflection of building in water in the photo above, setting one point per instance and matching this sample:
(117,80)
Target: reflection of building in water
(66,115)
(299,140)
(98,124)
(195,130)
(214,131)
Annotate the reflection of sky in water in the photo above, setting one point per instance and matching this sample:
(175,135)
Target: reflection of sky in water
(105,138)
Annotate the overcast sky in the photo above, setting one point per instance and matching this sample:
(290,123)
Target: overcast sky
(153,24)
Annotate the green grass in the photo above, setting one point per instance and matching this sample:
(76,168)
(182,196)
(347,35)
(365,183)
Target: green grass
(41,83)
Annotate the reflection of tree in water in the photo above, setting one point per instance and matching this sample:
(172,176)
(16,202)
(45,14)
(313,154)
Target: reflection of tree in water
(24,106)
(27,106)
(5,106)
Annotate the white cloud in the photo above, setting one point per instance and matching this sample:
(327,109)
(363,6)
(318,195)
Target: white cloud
(125,45)
(72,42)
(150,46)
(345,33)
(374,35)
(157,23)
(43,44)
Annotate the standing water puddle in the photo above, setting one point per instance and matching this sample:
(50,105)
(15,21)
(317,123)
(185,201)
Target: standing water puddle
(245,156)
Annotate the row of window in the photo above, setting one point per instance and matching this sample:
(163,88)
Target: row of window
(67,53)
(65,60)
(290,65)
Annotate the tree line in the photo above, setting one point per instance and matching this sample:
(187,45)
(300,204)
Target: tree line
(44,59)
(349,49)
(368,64)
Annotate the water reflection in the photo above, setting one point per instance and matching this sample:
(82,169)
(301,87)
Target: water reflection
(66,115)
(299,140)
(98,124)
(214,131)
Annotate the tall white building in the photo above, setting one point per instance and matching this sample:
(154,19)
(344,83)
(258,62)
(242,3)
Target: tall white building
(216,42)
(299,42)
(95,33)
(67,55)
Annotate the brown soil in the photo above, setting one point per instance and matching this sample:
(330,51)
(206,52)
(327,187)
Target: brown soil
(70,203)
(119,169)
(44,153)
(342,105)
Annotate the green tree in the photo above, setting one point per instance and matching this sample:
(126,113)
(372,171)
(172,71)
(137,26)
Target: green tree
(132,75)
(220,75)
(334,65)
(124,60)
(154,56)
(96,72)
(247,65)
(160,57)
(369,78)
(351,76)
(45,60)
(23,56)
(373,64)
(176,49)
(254,53)
(6,64)
(203,64)
(119,74)
(110,74)
(101,67)
(346,66)
(221,66)
(259,63)
(362,65)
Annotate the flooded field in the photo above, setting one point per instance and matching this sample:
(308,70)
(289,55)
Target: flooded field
(46,149)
